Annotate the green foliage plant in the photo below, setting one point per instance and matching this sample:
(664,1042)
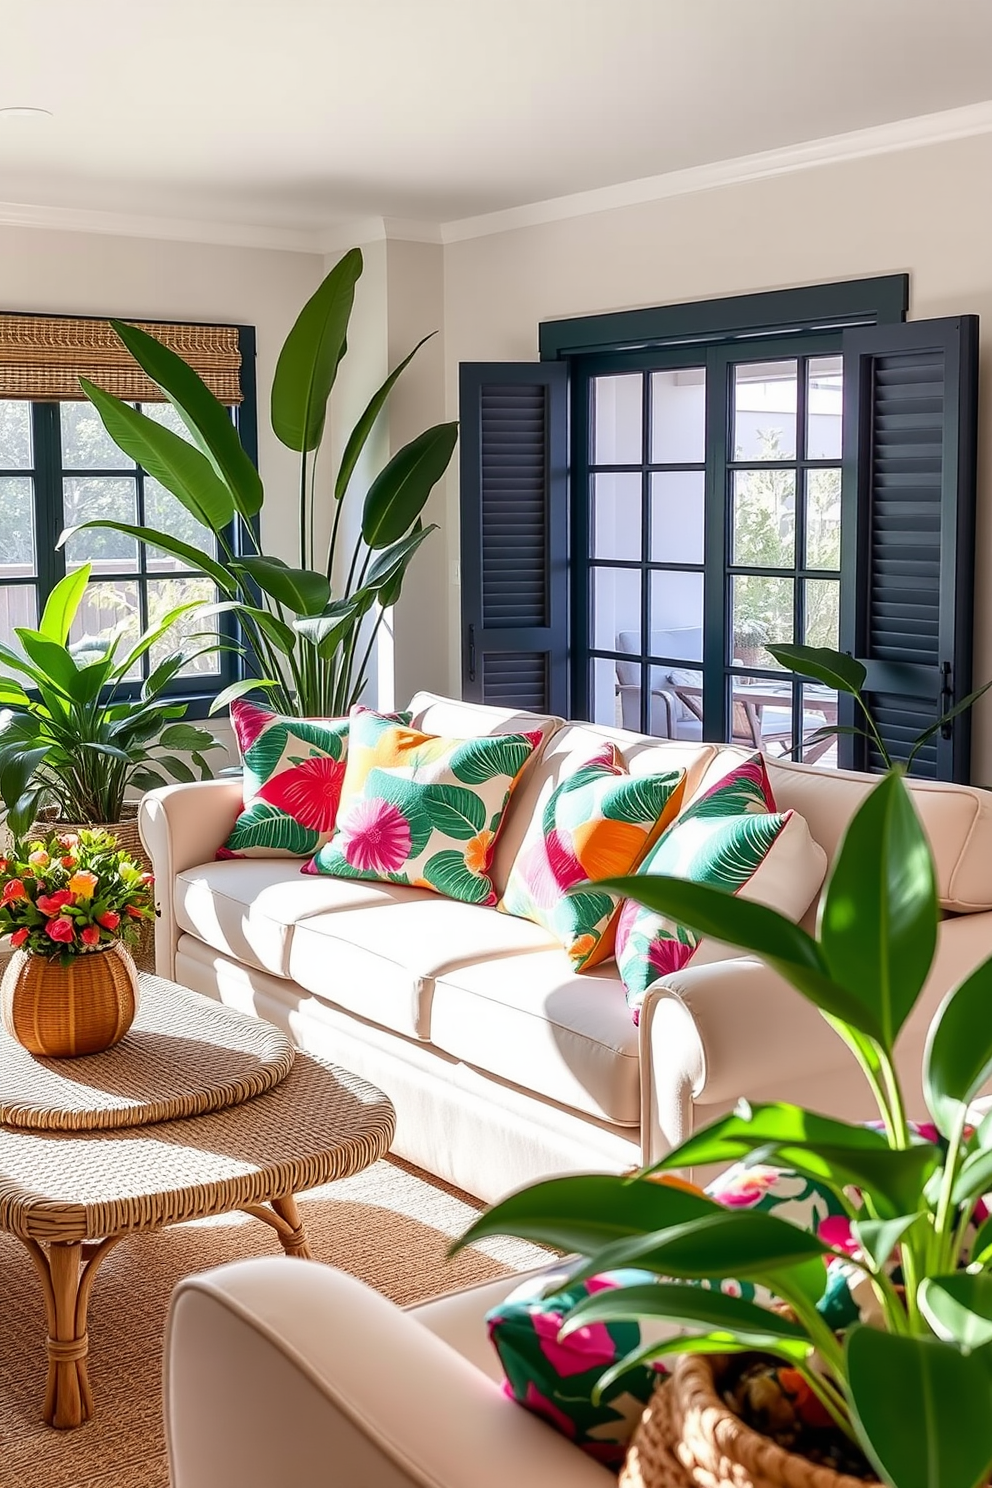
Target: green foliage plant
(846,674)
(306,645)
(912,1385)
(71,734)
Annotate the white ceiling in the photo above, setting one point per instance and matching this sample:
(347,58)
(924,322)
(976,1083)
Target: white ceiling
(305,113)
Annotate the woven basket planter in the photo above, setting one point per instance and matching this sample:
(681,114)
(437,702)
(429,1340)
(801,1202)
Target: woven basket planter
(128,838)
(689,1438)
(64,1011)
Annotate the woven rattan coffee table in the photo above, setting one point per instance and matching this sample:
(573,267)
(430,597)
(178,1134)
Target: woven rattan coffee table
(71,1196)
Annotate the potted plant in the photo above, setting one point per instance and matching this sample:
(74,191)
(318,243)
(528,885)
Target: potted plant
(750,635)
(71,904)
(906,1379)
(307,644)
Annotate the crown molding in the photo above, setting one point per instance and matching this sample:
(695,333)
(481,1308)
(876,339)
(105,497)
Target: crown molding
(881,139)
(164,229)
(359,230)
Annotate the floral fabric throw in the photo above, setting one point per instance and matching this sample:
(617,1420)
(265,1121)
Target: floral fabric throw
(422,810)
(293,773)
(721,840)
(598,823)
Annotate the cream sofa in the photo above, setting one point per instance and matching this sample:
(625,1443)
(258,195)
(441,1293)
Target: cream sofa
(503,1064)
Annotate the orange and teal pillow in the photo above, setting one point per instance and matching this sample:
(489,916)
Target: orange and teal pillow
(293,770)
(423,810)
(732,838)
(598,823)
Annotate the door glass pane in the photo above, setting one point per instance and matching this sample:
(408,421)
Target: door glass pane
(15,434)
(18,608)
(819,710)
(192,631)
(764,518)
(822,612)
(678,416)
(86,445)
(761,713)
(165,513)
(677,498)
(616,515)
(610,703)
(677,615)
(616,420)
(762,611)
(17,553)
(616,610)
(765,410)
(86,499)
(109,610)
(824,407)
(823,519)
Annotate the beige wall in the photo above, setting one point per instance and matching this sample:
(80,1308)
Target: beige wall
(927,212)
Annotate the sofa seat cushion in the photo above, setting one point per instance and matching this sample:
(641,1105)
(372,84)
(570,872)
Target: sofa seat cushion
(532,1020)
(380,960)
(248,908)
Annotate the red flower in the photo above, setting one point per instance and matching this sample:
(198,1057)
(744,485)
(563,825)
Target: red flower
(90,935)
(133,911)
(310,792)
(14,890)
(20,936)
(68,862)
(51,904)
(61,929)
(109,920)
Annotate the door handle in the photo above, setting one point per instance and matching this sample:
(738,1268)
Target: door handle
(471,653)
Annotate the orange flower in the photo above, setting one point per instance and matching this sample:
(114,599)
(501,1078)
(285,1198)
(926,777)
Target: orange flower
(581,948)
(14,890)
(83,883)
(477,852)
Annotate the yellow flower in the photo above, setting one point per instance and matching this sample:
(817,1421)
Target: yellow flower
(82,884)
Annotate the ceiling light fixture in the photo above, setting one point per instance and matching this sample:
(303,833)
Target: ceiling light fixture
(24,111)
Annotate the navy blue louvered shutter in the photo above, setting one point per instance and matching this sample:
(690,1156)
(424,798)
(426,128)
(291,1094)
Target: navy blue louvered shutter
(514,533)
(910,437)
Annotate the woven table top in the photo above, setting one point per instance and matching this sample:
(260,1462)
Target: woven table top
(318,1124)
(184,1055)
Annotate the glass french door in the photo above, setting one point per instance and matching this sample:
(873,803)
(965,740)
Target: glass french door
(706,527)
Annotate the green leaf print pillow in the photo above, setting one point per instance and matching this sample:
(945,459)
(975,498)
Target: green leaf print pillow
(293,773)
(423,810)
(731,838)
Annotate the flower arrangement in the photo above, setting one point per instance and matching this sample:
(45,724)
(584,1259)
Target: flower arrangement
(72,895)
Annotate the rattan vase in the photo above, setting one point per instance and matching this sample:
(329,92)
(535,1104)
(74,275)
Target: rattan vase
(64,1011)
(688,1437)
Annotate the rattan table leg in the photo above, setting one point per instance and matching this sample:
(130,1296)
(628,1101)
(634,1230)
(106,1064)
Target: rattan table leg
(67,1273)
(284,1218)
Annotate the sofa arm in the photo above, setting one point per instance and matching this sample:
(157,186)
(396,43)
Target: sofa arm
(712,1034)
(182,825)
(290,1372)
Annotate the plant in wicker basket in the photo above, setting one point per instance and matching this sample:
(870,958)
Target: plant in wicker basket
(71,904)
(886,1329)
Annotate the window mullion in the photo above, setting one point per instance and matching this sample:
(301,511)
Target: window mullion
(48,502)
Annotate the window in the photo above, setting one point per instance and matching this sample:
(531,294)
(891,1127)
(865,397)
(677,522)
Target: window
(59,468)
(793,466)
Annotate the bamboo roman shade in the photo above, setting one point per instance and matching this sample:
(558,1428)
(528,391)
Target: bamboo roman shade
(42,358)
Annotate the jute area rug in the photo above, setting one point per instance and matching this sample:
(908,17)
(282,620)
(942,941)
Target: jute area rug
(390,1226)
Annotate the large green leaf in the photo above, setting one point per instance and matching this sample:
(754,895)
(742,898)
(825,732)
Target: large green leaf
(337,620)
(878,924)
(639,800)
(456,812)
(308,362)
(17,767)
(171,460)
(690,1307)
(262,825)
(923,1410)
(833,668)
(384,569)
(448,873)
(478,760)
(300,589)
(974,1178)
(241,689)
(62,604)
(751,927)
(958,1057)
(185,736)
(191,557)
(399,493)
(207,420)
(587,1212)
(54,661)
(959,1308)
(359,435)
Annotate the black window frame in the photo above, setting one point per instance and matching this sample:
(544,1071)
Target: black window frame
(48,473)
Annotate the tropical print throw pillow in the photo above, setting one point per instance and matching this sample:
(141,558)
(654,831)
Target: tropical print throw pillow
(422,810)
(726,839)
(293,772)
(598,823)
